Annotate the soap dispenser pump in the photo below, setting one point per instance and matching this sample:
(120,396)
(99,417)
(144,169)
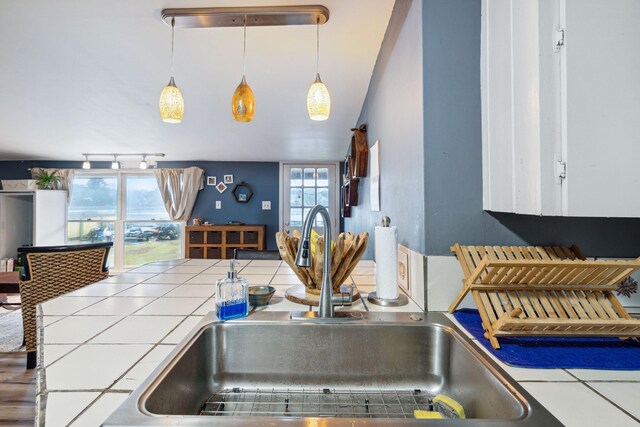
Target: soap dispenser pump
(232,296)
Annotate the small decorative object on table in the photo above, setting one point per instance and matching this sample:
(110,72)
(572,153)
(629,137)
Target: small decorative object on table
(345,255)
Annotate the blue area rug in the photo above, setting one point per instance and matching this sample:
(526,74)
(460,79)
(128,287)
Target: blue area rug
(550,353)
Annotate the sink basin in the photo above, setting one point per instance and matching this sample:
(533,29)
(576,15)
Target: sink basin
(267,369)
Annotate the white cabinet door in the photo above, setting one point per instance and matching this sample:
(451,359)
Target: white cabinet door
(561,107)
(602,66)
(49,218)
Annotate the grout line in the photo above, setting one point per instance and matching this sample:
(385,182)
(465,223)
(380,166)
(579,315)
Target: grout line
(611,401)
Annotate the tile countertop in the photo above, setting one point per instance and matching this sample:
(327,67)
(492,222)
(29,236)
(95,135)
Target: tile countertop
(99,343)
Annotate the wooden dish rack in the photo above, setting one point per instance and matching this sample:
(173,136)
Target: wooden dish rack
(544,291)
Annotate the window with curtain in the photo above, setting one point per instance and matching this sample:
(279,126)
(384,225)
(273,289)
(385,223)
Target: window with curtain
(127,209)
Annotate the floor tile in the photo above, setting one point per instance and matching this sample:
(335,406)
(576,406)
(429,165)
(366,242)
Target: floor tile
(217,270)
(136,375)
(363,280)
(147,290)
(169,262)
(209,305)
(53,352)
(63,407)
(116,306)
(249,270)
(625,395)
(93,366)
(63,306)
(97,413)
(138,329)
(206,291)
(148,268)
(172,306)
(238,262)
(129,278)
(285,279)
(256,279)
(187,269)
(179,333)
(285,269)
(48,320)
(100,289)
(568,401)
(172,279)
(77,329)
(207,262)
(605,375)
(264,263)
(206,279)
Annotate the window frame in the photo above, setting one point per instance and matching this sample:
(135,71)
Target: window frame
(121,212)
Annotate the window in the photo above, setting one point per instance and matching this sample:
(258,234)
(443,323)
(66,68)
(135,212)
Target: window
(127,209)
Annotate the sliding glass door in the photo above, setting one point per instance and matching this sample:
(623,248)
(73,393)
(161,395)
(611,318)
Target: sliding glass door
(124,208)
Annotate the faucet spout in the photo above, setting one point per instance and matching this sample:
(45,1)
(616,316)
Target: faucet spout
(303,258)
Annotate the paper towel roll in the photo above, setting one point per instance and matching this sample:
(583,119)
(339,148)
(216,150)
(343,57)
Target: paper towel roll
(386,252)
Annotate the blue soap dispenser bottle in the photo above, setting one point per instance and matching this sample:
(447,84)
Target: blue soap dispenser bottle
(232,296)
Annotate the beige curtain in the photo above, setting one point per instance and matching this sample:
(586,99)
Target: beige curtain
(179,189)
(66,178)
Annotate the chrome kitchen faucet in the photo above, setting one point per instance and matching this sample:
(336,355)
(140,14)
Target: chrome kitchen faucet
(326,310)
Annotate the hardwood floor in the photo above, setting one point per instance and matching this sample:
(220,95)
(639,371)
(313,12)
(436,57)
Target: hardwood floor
(17,390)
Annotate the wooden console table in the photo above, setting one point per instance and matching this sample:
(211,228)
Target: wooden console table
(219,241)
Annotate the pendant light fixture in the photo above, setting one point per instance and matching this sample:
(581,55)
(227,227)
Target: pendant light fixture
(243,103)
(171,103)
(318,98)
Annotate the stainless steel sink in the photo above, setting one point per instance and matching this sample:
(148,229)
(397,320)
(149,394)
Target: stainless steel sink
(267,369)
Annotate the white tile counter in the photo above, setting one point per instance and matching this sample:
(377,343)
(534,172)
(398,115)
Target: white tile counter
(99,343)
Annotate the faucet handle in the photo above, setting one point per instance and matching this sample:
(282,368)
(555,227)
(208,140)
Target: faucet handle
(343,298)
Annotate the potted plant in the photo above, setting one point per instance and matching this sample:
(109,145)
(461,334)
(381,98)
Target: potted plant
(47,180)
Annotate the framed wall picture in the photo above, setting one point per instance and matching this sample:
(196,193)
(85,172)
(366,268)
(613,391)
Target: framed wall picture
(211,180)
(221,187)
(228,179)
(242,192)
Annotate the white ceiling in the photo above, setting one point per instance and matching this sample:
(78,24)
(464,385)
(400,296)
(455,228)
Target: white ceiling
(85,76)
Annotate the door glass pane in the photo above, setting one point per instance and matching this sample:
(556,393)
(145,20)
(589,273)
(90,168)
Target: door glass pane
(296,197)
(151,241)
(143,198)
(309,177)
(80,232)
(323,177)
(323,197)
(296,177)
(94,197)
(309,197)
(295,217)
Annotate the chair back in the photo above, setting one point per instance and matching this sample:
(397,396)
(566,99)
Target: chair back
(51,271)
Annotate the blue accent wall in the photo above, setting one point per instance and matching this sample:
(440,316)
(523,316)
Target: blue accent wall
(262,176)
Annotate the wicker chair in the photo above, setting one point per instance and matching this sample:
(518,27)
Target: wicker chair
(51,271)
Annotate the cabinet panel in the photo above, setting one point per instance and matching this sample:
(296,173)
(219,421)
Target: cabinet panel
(602,108)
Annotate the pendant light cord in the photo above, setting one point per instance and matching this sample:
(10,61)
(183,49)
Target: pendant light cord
(318,46)
(244,47)
(173,28)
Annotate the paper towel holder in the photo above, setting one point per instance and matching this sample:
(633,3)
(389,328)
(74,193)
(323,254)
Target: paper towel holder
(373,298)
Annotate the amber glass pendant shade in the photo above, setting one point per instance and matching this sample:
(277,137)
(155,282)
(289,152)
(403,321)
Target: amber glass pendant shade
(318,101)
(243,103)
(171,103)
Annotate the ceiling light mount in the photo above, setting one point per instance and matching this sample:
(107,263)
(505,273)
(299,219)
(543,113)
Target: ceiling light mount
(261,16)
